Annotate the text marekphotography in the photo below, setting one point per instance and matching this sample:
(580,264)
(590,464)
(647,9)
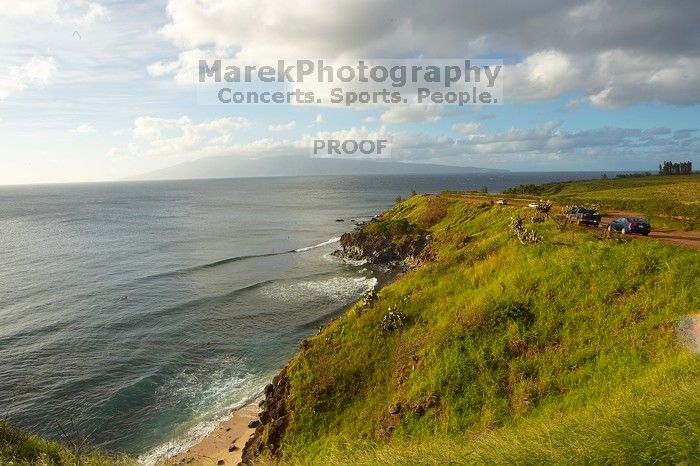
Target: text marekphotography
(362,82)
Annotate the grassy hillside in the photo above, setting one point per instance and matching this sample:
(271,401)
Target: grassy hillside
(494,351)
(21,448)
(560,351)
(664,198)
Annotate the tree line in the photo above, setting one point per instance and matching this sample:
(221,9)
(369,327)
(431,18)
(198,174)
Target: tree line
(671,168)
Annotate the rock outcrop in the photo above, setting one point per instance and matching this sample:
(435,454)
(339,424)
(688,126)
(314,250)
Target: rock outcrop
(359,245)
(273,421)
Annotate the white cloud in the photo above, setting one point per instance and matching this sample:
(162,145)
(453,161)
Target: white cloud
(40,70)
(183,139)
(58,11)
(543,75)
(269,28)
(417,113)
(152,127)
(84,128)
(545,141)
(37,71)
(622,77)
(157,137)
(468,129)
(548,146)
(46,9)
(611,79)
(282,126)
(615,53)
(10,85)
(318,121)
(359,133)
(94,12)
(515,148)
(302,147)
(224,125)
(184,69)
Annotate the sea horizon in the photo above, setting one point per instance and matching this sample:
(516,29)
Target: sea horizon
(595,173)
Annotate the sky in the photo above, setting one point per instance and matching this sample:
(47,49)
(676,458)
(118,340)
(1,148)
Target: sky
(103,90)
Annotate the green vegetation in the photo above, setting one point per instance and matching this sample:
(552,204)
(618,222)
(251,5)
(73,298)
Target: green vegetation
(500,349)
(566,350)
(394,230)
(614,431)
(18,447)
(669,200)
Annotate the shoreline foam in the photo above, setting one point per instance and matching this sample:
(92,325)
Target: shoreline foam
(166,453)
(224,442)
(209,442)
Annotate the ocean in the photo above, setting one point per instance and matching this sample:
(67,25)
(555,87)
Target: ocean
(145,311)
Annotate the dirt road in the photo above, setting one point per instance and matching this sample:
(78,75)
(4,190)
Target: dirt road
(686,238)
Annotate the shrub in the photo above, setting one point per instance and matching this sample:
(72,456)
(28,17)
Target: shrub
(523,234)
(393,320)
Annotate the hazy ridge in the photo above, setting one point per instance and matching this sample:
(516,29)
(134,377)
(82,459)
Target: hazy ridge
(232,167)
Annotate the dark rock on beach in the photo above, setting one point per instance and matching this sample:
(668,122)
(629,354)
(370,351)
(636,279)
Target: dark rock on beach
(273,421)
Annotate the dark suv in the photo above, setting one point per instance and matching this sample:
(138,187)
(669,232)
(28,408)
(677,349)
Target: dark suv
(627,225)
(583,216)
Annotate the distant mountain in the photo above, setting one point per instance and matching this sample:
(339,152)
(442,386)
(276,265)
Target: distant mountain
(232,167)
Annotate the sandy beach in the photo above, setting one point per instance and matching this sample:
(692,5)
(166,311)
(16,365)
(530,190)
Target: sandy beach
(225,443)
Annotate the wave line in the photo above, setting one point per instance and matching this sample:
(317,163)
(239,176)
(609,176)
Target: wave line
(319,245)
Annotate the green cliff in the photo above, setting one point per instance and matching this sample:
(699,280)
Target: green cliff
(577,347)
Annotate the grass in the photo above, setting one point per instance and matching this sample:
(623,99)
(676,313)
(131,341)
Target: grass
(660,427)
(18,447)
(670,200)
(562,352)
(558,352)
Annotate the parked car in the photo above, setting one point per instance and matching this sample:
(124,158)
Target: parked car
(628,225)
(583,216)
(502,202)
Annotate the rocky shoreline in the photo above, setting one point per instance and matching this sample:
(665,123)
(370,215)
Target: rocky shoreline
(362,244)
(269,430)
